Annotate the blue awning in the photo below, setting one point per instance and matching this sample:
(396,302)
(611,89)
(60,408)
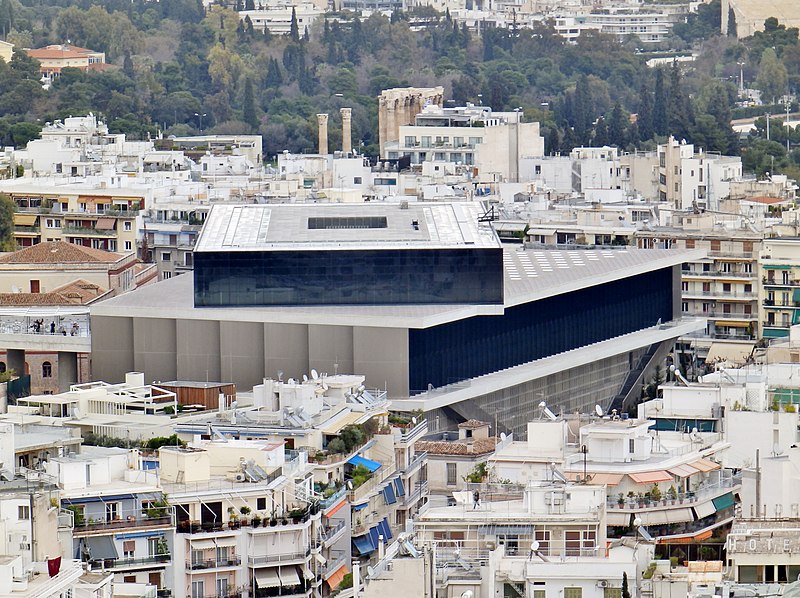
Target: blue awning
(363,545)
(85,499)
(361,506)
(385,530)
(357,460)
(388,494)
(373,536)
(398,484)
(725,501)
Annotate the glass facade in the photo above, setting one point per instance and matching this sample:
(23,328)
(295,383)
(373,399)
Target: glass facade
(475,346)
(342,277)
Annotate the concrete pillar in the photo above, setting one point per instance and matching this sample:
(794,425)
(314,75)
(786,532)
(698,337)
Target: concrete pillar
(725,11)
(15,360)
(67,370)
(347,133)
(322,121)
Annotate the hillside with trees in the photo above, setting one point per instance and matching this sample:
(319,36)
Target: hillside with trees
(175,62)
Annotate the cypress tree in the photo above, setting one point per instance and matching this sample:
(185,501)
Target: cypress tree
(644,118)
(249,105)
(616,127)
(660,120)
(294,30)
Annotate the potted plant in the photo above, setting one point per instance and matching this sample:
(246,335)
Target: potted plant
(245,511)
(273,522)
(655,493)
(256,520)
(621,500)
(672,494)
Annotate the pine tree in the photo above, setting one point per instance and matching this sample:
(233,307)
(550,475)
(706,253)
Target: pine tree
(582,105)
(294,30)
(249,105)
(644,118)
(274,77)
(660,120)
(679,111)
(600,133)
(626,593)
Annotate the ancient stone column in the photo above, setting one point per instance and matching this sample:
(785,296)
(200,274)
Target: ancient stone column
(322,121)
(347,133)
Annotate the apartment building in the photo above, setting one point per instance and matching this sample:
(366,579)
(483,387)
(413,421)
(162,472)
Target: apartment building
(55,57)
(245,523)
(689,178)
(494,142)
(121,521)
(723,286)
(277,19)
(779,273)
(98,218)
(666,480)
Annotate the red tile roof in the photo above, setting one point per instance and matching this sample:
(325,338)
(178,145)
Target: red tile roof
(482,446)
(59,252)
(765,199)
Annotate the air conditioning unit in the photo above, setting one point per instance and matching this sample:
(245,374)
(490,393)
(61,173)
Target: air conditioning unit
(603,583)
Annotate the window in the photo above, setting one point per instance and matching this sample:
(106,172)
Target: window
(128,226)
(165,256)
(684,286)
(198,587)
(689,243)
(631,445)
(128,548)
(542,536)
(715,245)
(197,557)
(539,593)
(35,288)
(222,586)
(53,223)
(612,593)
(166,275)
(156,546)
(188,259)
(261,504)
(128,246)
(222,554)
(356,180)
(573,593)
(726,287)
(706,287)
(23,512)
(112,511)
(451,474)
(47,369)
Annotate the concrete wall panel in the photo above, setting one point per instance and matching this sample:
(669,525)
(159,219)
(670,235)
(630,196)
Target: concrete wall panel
(286,350)
(155,348)
(198,350)
(382,355)
(241,350)
(330,349)
(112,348)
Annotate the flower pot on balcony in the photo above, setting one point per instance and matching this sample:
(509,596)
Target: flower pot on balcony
(273,522)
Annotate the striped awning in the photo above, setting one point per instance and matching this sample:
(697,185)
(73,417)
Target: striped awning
(650,477)
(683,471)
(705,465)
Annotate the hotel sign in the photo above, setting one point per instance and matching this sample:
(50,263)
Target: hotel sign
(763,545)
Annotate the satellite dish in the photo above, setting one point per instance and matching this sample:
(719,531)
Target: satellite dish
(542,405)
(777,450)
(535,545)
(414,420)
(349,485)
(314,374)
(458,552)
(598,410)
(361,388)
(637,522)
(370,571)
(502,436)
(305,378)
(280,375)
(324,386)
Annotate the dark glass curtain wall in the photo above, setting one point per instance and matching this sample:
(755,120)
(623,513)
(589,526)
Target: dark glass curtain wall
(483,344)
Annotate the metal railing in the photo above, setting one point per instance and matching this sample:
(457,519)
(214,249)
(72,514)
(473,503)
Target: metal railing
(82,231)
(418,460)
(333,565)
(40,321)
(328,534)
(420,489)
(680,499)
(133,562)
(287,557)
(164,519)
(414,433)
(232,561)
(327,503)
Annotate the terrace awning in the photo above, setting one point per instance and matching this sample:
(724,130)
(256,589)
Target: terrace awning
(683,471)
(363,545)
(289,576)
(205,544)
(104,224)
(336,577)
(267,578)
(371,465)
(724,502)
(650,477)
(705,465)
(101,548)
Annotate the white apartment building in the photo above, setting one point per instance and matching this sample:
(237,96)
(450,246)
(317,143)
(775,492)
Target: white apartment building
(494,142)
(277,18)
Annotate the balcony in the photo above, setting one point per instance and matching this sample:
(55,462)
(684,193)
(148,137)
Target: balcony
(333,499)
(86,231)
(411,435)
(334,565)
(721,295)
(420,490)
(781,283)
(721,315)
(202,565)
(132,563)
(329,535)
(85,527)
(681,500)
(718,274)
(268,560)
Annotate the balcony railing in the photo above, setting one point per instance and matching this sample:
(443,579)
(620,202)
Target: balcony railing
(277,558)
(233,561)
(781,283)
(122,523)
(420,489)
(718,274)
(135,562)
(86,231)
(328,535)
(333,565)
(418,460)
(327,503)
(680,499)
(414,433)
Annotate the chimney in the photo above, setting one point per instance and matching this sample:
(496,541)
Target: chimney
(347,143)
(322,120)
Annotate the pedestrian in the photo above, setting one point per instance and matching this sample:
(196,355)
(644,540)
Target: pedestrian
(476,500)
(52,327)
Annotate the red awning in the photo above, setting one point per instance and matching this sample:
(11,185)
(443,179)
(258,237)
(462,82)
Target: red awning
(650,477)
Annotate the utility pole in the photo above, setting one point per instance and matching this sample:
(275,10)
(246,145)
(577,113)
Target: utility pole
(758,484)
